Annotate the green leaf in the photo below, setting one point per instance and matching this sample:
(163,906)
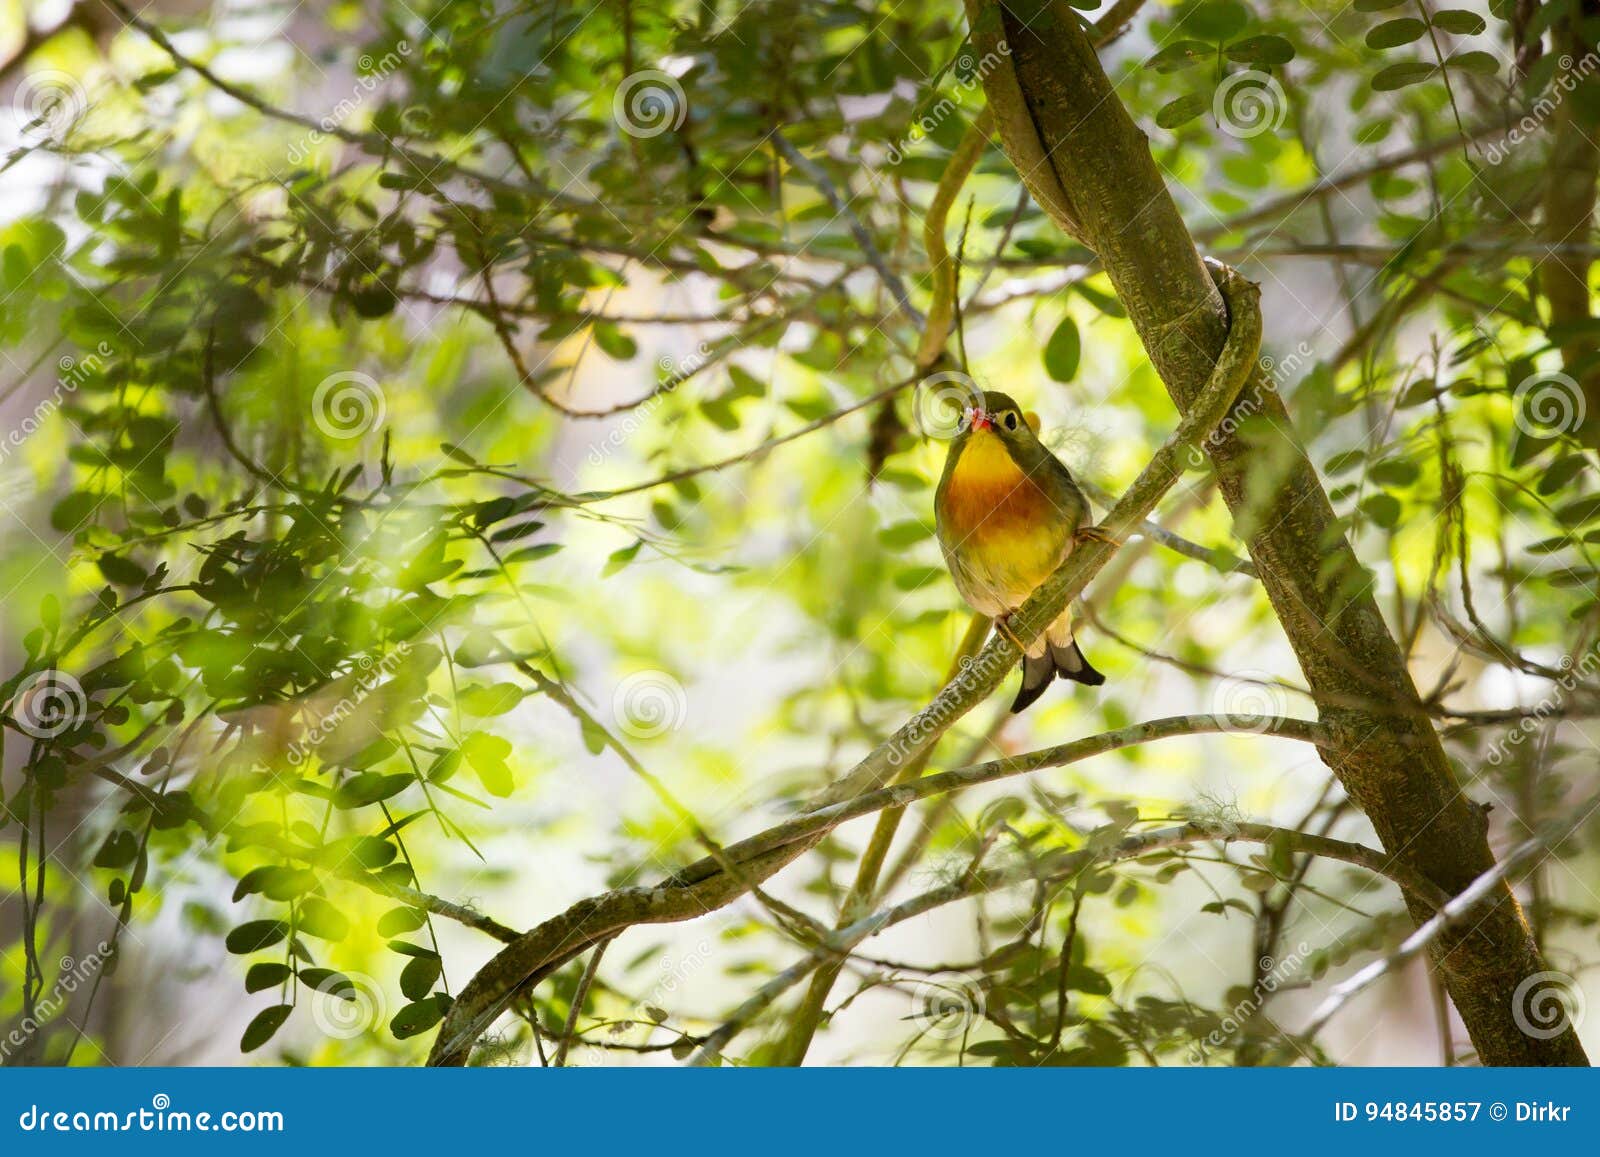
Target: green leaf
(1384,509)
(74,510)
(1378,5)
(1562,471)
(1180,55)
(118,851)
(398,921)
(1339,463)
(1481,63)
(533,553)
(255,935)
(1393,33)
(1268,50)
(418,1017)
(122,571)
(321,919)
(621,558)
(916,577)
(1082,978)
(1104,302)
(1063,350)
(405,948)
(369,787)
(614,342)
(486,755)
(1183,110)
(1459,22)
(416,979)
(1216,19)
(1398,76)
(264,975)
(1395,472)
(1578,513)
(326,980)
(261,1029)
(904,534)
(492,700)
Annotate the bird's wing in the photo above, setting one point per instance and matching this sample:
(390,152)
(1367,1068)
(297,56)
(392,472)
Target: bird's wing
(1064,490)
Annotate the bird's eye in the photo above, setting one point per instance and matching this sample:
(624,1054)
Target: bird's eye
(1010,420)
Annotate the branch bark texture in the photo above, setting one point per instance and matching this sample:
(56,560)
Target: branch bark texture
(1069,134)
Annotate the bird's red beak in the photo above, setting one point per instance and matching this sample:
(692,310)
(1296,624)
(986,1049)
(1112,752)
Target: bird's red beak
(981,419)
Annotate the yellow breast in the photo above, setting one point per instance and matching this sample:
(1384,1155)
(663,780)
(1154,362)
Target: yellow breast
(1002,525)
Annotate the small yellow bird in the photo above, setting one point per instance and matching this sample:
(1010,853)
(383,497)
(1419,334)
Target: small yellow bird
(1008,513)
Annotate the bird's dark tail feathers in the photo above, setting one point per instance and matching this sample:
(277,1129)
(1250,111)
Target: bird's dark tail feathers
(1065,660)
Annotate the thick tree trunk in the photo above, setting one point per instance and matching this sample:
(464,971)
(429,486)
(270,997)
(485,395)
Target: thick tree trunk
(1089,166)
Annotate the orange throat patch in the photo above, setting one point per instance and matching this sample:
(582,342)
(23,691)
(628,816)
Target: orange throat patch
(988,494)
